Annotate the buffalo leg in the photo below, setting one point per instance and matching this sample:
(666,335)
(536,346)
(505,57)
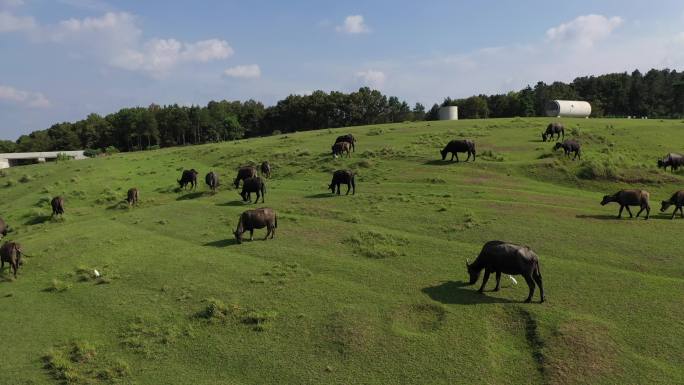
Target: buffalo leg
(273,229)
(258,194)
(536,275)
(498,281)
(576,154)
(2,265)
(251,235)
(455,153)
(268,232)
(452,156)
(629,211)
(348,188)
(530,284)
(484,280)
(681,211)
(620,212)
(338,189)
(648,212)
(674,212)
(642,209)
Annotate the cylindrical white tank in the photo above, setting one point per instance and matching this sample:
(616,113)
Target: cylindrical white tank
(448,113)
(568,108)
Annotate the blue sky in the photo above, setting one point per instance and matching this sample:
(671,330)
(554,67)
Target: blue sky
(62,59)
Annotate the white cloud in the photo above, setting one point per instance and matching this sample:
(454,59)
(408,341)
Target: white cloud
(372,78)
(12,23)
(244,71)
(353,24)
(584,31)
(30,99)
(116,40)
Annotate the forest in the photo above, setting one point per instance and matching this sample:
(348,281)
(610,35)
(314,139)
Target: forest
(655,94)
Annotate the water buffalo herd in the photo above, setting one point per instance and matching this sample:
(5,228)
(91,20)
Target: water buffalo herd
(495,257)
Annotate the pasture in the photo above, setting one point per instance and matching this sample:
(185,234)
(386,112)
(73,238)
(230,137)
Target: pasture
(365,289)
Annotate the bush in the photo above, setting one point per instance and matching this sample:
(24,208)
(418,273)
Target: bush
(593,169)
(61,157)
(111,150)
(92,152)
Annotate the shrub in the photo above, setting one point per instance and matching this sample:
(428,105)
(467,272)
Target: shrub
(594,169)
(61,157)
(111,150)
(92,152)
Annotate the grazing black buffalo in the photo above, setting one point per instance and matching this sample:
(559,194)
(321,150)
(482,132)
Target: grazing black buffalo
(132,196)
(57,204)
(189,177)
(456,146)
(349,138)
(674,161)
(253,185)
(266,169)
(212,180)
(508,258)
(256,219)
(244,172)
(570,146)
(677,199)
(553,129)
(343,177)
(10,252)
(3,228)
(626,198)
(340,147)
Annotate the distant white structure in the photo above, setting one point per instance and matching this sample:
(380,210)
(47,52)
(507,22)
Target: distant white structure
(448,113)
(16,158)
(568,108)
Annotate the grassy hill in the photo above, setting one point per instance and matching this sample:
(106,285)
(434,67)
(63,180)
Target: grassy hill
(354,289)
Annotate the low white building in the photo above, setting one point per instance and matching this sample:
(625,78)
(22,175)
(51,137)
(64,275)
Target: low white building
(448,113)
(17,158)
(568,108)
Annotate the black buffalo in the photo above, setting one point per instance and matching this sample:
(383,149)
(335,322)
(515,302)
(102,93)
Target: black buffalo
(132,196)
(626,198)
(57,204)
(507,258)
(456,146)
(256,219)
(343,177)
(253,185)
(570,146)
(10,252)
(677,199)
(189,177)
(266,169)
(341,147)
(671,160)
(553,129)
(244,172)
(349,138)
(212,180)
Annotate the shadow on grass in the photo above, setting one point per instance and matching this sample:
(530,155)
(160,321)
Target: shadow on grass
(232,203)
(222,243)
(439,162)
(38,220)
(123,205)
(460,293)
(192,195)
(599,216)
(320,195)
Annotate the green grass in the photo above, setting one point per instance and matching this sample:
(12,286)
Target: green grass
(354,289)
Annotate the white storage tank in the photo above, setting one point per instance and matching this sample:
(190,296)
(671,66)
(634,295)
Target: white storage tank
(448,113)
(568,108)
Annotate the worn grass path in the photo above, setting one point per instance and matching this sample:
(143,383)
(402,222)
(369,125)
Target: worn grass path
(354,289)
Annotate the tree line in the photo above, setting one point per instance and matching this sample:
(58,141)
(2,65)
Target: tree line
(657,94)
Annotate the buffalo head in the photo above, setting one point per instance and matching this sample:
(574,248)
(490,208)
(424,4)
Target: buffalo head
(444,153)
(557,146)
(473,273)
(664,205)
(606,199)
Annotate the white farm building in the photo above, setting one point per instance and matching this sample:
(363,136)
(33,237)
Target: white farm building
(568,108)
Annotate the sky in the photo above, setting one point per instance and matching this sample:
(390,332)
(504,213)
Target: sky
(63,59)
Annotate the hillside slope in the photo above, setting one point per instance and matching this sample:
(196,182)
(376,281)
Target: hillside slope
(354,289)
